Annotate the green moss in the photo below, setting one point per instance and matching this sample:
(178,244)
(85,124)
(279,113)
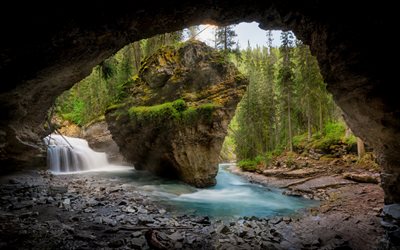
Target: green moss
(177,110)
(115,106)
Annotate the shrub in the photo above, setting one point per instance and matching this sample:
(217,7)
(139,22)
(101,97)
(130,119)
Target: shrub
(248,165)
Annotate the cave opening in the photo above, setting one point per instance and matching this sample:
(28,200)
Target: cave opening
(355,74)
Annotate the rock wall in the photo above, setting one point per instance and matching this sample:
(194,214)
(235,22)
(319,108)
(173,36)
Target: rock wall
(177,112)
(51,47)
(100,139)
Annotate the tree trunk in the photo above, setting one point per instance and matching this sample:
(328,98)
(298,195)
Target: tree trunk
(321,126)
(225,40)
(360,148)
(309,132)
(289,125)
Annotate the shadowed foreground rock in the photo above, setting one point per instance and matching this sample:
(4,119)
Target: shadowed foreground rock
(177,112)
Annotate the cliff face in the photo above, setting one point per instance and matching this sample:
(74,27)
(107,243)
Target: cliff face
(175,117)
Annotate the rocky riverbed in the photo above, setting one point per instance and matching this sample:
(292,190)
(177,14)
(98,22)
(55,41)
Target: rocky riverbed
(39,210)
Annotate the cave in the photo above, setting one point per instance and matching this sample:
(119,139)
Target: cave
(45,49)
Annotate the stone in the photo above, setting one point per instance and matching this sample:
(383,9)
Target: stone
(110,222)
(99,139)
(98,220)
(392,210)
(177,236)
(192,92)
(136,234)
(223,229)
(145,219)
(116,243)
(363,178)
(129,209)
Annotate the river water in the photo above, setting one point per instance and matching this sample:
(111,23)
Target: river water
(232,197)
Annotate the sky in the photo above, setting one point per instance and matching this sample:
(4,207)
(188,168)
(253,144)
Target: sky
(246,32)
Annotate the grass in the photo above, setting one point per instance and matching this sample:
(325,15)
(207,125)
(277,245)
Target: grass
(332,134)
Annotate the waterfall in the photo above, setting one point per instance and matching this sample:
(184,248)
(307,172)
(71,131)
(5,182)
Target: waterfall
(72,156)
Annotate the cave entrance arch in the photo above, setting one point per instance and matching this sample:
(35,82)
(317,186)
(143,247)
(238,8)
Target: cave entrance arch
(65,43)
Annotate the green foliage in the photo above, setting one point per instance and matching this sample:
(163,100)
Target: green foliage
(282,79)
(248,165)
(109,81)
(332,134)
(224,38)
(177,110)
(74,114)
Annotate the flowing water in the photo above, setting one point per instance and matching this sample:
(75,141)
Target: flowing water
(233,196)
(73,155)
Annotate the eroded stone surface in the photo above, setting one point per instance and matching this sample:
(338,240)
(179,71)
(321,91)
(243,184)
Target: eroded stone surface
(177,113)
(64,43)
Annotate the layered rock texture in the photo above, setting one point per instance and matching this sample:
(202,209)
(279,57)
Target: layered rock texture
(52,47)
(177,112)
(99,139)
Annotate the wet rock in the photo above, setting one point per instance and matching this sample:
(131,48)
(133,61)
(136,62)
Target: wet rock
(54,190)
(129,209)
(116,243)
(84,235)
(89,210)
(275,221)
(136,234)
(392,210)
(110,222)
(136,243)
(22,204)
(68,228)
(388,225)
(98,220)
(28,214)
(204,220)
(177,236)
(123,203)
(144,219)
(223,229)
(66,204)
(189,239)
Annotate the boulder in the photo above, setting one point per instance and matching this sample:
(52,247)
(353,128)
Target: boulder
(176,113)
(100,139)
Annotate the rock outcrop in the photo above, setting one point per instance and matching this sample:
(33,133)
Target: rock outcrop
(66,42)
(177,112)
(99,139)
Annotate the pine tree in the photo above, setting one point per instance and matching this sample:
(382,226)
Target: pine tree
(224,38)
(286,80)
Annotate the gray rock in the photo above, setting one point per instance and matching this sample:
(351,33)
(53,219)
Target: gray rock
(23,204)
(137,243)
(137,234)
(123,203)
(223,229)
(54,190)
(89,210)
(84,235)
(116,243)
(120,218)
(251,234)
(393,210)
(145,219)
(176,237)
(129,209)
(109,222)
(98,220)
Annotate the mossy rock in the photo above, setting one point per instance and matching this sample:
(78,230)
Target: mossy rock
(176,112)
